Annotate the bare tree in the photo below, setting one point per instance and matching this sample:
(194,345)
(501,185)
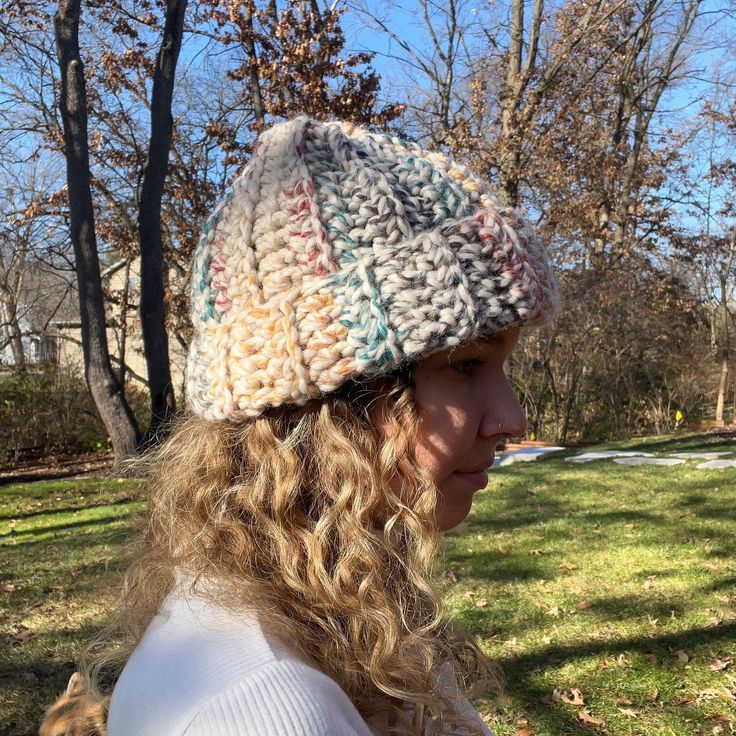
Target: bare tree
(101,379)
(153,317)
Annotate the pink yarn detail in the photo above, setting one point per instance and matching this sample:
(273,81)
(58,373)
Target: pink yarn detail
(219,281)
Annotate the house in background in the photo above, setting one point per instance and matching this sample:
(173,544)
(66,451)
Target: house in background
(53,334)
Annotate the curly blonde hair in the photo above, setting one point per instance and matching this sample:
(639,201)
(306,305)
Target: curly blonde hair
(324,521)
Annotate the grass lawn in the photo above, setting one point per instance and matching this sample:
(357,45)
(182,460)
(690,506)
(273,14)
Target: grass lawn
(606,592)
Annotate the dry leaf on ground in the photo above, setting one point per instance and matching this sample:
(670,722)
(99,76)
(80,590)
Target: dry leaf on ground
(574,697)
(585,717)
(719,665)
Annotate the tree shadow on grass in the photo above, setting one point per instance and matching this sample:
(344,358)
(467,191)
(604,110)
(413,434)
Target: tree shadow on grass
(21,538)
(67,509)
(689,443)
(32,680)
(728,583)
(520,670)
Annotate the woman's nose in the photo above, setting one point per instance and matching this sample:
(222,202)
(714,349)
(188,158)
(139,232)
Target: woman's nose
(504,413)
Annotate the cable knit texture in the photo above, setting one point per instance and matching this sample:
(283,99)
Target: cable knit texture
(203,670)
(340,252)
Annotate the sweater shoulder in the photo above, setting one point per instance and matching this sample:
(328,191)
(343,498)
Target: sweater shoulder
(284,698)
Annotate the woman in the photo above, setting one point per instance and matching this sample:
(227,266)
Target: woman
(354,300)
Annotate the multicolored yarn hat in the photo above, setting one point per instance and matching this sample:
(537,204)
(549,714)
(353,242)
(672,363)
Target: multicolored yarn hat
(339,252)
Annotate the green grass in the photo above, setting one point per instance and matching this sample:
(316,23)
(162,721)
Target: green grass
(618,581)
(59,541)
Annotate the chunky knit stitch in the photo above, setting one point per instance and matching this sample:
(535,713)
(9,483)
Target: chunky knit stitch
(340,252)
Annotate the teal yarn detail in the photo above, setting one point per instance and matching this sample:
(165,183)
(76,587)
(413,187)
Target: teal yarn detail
(364,250)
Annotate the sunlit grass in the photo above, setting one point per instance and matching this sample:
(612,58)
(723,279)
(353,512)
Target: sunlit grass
(613,580)
(617,581)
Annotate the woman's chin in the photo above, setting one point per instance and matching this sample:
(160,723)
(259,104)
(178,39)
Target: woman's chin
(448,517)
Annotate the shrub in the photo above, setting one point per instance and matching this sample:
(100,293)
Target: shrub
(46,411)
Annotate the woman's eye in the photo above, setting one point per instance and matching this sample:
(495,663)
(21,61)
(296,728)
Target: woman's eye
(466,366)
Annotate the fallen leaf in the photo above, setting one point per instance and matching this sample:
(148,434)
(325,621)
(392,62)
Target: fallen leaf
(574,697)
(526,731)
(567,566)
(7,588)
(481,603)
(684,700)
(709,694)
(621,660)
(654,694)
(652,659)
(502,551)
(585,717)
(623,701)
(719,665)
(683,656)
(602,665)
(24,635)
(536,552)
(582,605)
(629,712)
(450,577)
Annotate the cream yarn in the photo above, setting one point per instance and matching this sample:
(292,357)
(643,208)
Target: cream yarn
(341,252)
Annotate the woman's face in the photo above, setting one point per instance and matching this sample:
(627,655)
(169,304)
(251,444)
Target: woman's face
(466,406)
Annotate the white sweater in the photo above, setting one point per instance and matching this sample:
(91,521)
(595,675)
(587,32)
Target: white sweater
(201,670)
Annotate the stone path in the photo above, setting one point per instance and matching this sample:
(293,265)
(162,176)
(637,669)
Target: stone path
(523,455)
(710,460)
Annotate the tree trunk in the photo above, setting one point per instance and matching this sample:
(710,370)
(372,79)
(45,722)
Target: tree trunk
(259,109)
(153,316)
(124,324)
(511,94)
(103,385)
(724,352)
(9,316)
(722,388)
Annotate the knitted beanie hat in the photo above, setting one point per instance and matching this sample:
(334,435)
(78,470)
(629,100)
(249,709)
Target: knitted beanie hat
(339,252)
